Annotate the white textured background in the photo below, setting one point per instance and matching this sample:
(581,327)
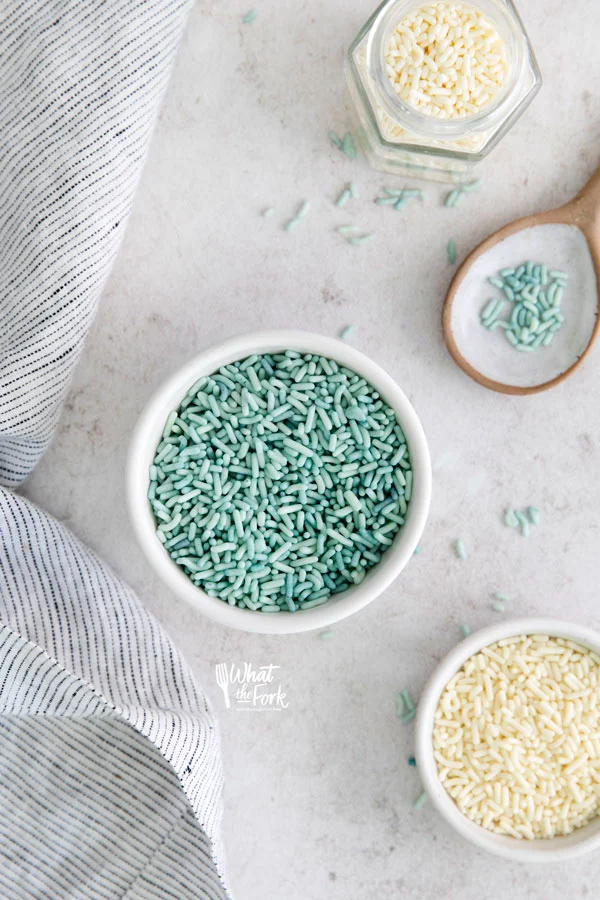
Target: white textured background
(319,797)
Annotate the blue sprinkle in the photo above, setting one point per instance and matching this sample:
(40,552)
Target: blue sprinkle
(348,146)
(279,482)
(460,549)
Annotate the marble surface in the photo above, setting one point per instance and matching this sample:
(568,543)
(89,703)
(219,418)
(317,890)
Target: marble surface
(319,796)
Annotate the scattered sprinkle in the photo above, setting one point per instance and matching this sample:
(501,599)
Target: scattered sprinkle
(326,635)
(343,197)
(406,707)
(266,213)
(348,146)
(349,233)
(412,761)
(346,332)
(398,197)
(498,606)
(451,252)
(502,597)
(302,212)
(408,700)
(515,518)
(360,239)
(456,195)
(523,523)
(420,801)
(535,295)
(417,550)
(461,551)
(249,17)
(353,190)
(465,630)
(335,140)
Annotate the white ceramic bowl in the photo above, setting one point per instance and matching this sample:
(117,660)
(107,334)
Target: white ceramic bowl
(169,396)
(580,841)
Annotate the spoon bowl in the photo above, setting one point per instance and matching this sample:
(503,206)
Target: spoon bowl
(567,238)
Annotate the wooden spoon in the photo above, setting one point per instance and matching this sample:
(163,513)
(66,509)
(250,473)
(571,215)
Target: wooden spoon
(486,356)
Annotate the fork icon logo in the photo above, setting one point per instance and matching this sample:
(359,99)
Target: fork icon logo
(251,688)
(222,676)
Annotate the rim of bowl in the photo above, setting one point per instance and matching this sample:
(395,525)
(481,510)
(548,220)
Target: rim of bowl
(582,840)
(169,395)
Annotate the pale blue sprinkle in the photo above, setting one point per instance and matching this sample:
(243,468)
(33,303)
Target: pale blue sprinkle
(523,523)
(348,146)
(420,801)
(361,239)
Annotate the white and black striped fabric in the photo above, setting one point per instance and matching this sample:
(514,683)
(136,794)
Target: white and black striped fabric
(110,774)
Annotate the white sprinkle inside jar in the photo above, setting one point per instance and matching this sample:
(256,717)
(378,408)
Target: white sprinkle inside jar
(457,62)
(436,86)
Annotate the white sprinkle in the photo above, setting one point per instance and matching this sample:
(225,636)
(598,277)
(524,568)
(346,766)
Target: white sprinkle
(517,737)
(446,59)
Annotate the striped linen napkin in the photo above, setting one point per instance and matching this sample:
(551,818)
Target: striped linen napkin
(110,773)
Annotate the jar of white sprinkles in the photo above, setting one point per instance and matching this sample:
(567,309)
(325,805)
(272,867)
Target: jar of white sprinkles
(435,86)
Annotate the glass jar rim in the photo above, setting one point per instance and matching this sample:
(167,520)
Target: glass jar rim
(504,17)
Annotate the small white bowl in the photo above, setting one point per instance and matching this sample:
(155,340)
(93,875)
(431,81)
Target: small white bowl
(582,840)
(147,435)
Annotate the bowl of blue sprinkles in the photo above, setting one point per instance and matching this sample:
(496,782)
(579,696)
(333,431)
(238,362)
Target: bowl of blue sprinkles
(279,482)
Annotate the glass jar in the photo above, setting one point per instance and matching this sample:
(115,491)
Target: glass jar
(398,138)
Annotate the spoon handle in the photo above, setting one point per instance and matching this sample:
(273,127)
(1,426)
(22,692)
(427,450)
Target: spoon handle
(588,203)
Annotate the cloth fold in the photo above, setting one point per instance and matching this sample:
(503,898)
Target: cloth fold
(110,773)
